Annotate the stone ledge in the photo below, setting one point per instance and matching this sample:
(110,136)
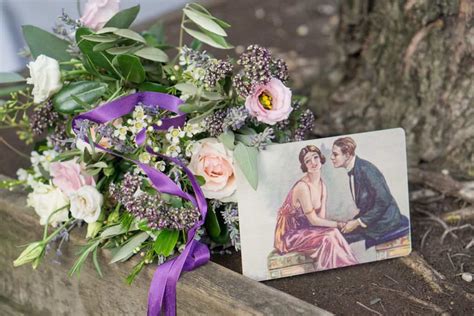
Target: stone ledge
(210,289)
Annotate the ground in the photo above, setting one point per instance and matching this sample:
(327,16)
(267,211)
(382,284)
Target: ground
(303,31)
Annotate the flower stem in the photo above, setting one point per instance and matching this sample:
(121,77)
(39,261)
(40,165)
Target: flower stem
(181,30)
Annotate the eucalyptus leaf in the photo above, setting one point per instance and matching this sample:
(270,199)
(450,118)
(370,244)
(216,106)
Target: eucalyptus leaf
(113,231)
(214,96)
(246,158)
(41,42)
(130,67)
(187,88)
(124,18)
(10,77)
(107,30)
(103,46)
(218,39)
(245,139)
(126,33)
(152,53)
(199,8)
(7,90)
(204,21)
(165,242)
(126,251)
(188,107)
(120,50)
(205,38)
(227,139)
(100,38)
(86,91)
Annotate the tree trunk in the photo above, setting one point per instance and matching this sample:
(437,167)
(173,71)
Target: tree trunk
(409,64)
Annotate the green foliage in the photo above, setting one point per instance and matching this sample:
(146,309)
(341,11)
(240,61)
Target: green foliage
(246,158)
(124,18)
(210,30)
(127,250)
(70,98)
(165,242)
(41,42)
(94,60)
(10,77)
(130,68)
(227,139)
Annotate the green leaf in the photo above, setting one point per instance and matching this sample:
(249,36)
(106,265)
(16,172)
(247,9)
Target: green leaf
(103,46)
(212,224)
(96,263)
(165,242)
(204,21)
(86,91)
(214,41)
(152,53)
(214,96)
(113,231)
(7,90)
(124,18)
(203,10)
(187,88)
(99,59)
(41,42)
(200,179)
(107,30)
(126,251)
(227,139)
(126,33)
(151,86)
(121,50)
(246,158)
(100,38)
(9,77)
(130,68)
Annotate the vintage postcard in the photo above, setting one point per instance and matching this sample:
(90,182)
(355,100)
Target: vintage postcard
(325,203)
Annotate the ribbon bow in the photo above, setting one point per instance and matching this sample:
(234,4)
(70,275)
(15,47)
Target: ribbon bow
(162,292)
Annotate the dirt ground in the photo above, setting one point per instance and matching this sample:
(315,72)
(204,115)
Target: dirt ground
(428,281)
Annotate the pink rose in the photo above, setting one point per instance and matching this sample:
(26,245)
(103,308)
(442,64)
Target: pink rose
(270,103)
(98,12)
(212,161)
(70,176)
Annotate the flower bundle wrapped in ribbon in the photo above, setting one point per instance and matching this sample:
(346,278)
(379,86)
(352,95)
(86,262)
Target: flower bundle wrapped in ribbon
(140,147)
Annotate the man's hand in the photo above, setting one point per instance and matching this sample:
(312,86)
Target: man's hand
(340,225)
(350,226)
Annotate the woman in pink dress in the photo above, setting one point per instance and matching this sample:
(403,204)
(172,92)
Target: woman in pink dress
(302,225)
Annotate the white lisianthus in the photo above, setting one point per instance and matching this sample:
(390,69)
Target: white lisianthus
(45,77)
(86,203)
(46,199)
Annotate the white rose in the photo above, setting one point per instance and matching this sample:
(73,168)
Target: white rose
(98,12)
(212,161)
(86,203)
(46,199)
(45,76)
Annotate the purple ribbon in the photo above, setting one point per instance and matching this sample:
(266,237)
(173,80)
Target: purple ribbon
(162,292)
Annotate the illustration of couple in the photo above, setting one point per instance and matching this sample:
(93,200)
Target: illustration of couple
(302,225)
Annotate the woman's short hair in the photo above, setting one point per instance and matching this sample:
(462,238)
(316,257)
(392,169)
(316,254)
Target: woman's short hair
(307,149)
(347,145)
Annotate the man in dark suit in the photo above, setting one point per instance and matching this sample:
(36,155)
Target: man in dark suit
(378,218)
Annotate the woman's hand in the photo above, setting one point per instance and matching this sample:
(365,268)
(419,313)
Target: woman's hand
(341,225)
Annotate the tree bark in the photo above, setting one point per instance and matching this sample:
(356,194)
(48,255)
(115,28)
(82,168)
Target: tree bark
(405,63)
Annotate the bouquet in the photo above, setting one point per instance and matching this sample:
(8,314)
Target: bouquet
(139,140)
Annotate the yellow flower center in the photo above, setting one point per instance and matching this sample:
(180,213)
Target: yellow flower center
(265,100)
